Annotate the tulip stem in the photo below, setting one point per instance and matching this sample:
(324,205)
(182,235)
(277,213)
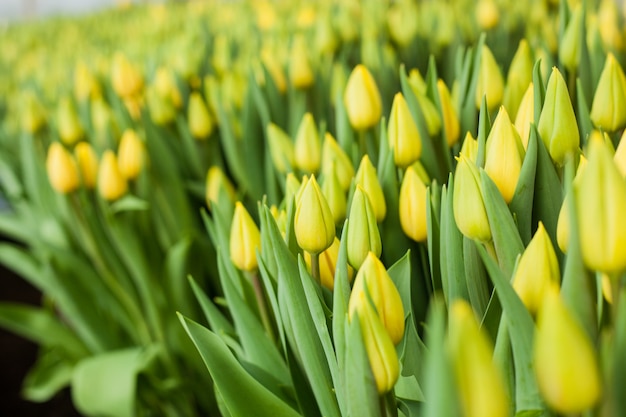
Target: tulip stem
(260,299)
(388,405)
(491,250)
(616,287)
(315,267)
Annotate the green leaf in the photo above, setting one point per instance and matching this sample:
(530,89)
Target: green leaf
(412,352)
(585,125)
(539,90)
(522,204)
(232,380)
(24,264)
(217,321)
(400,274)
(129,203)
(476,278)
(105,385)
(50,374)
(433,199)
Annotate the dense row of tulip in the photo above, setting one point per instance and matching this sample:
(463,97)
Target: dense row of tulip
(346,208)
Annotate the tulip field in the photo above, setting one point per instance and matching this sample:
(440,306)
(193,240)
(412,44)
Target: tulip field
(368,208)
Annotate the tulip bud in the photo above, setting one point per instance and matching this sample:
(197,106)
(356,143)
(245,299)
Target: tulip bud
(126,79)
(274,69)
(307,146)
(328,264)
(33,115)
(281,148)
(519,77)
(417,83)
(131,155)
(313,222)
(620,155)
(600,195)
(380,350)
(490,81)
(451,126)
(404,138)
(366,177)
(162,111)
(469,148)
(526,115)
(608,110)
(102,118)
(471,352)
(300,71)
(111,183)
(569,47)
(62,169)
(373,281)
(325,38)
(85,84)
(87,164)
(431,114)
(504,155)
(292,186)
(363,235)
(362,99)
(402,22)
(165,85)
(557,123)
(470,214)
(335,158)
(335,195)
(487,14)
(412,204)
(221,60)
(245,239)
(537,268)
(200,119)
(217,184)
(610,26)
(70,130)
(565,361)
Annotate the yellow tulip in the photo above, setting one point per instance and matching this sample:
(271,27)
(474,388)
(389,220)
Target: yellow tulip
(362,99)
(412,203)
(307,148)
(363,235)
(111,183)
(490,81)
(300,71)
(366,177)
(608,110)
(87,163)
(334,158)
(217,184)
(131,155)
(526,115)
(404,138)
(313,222)
(200,119)
(245,239)
(468,206)
(61,168)
(451,126)
(281,148)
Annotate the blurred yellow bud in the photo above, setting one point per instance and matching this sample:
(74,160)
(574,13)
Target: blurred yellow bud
(70,129)
(166,87)
(490,81)
(487,14)
(62,170)
(274,69)
(334,158)
(526,115)
(451,126)
(609,25)
(32,113)
(218,185)
(245,239)
(281,148)
(470,214)
(565,362)
(431,114)
(200,119)
(300,72)
(608,110)
(469,147)
(366,177)
(162,110)
(480,383)
(380,350)
(402,22)
(362,99)
(537,268)
(600,195)
(373,280)
(85,83)
(557,123)
(307,148)
(620,155)
(504,155)
(328,264)
(102,118)
(126,79)
(335,196)
(404,138)
(111,183)
(131,155)
(363,235)
(292,186)
(313,222)
(520,75)
(569,46)
(87,164)
(221,59)
(562,228)
(412,203)
(325,40)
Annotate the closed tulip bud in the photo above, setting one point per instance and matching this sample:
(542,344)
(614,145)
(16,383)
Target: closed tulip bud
(363,235)
(564,358)
(300,72)
(325,38)
(404,138)
(162,111)
(83,81)
(366,177)
(134,105)
(569,46)
(87,164)
(562,228)
(469,147)
(526,115)
(504,155)
(557,123)
(479,381)
(102,117)
(490,81)
(487,14)
(610,26)
(307,148)
(373,281)
(200,119)
(380,350)
(451,126)
(33,115)
(608,110)
(313,222)
(417,83)
(165,85)
(217,185)
(362,99)
(328,264)
(62,169)
(281,148)
(600,195)
(221,59)
(338,81)
(537,268)
(334,158)
(292,186)
(431,114)
(402,22)
(131,155)
(335,195)
(70,129)
(412,204)
(245,239)
(468,206)
(274,69)
(126,79)
(520,75)
(111,183)
(620,155)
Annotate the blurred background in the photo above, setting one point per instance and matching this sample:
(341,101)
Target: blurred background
(29,9)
